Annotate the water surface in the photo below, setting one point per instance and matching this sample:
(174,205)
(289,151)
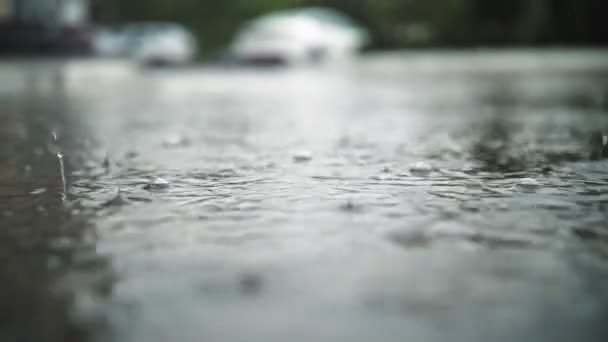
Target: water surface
(249,244)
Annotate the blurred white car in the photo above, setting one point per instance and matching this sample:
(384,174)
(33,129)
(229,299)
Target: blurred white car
(159,43)
(108,42)
(301,36)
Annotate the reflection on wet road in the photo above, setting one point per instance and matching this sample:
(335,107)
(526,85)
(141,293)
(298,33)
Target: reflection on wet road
(422,197)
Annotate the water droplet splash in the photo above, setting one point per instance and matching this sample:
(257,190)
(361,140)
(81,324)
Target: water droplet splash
(157,184)
(60,157)
(63,181)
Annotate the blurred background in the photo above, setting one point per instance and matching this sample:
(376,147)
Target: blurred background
(303,170)
(393,24)
(38,26)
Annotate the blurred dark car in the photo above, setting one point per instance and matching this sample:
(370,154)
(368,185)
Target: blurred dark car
(36,38)
(74,40)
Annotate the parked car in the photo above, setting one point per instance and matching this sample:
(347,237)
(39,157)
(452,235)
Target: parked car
(309,35)
(45,27)
(38,38)
(109,42)
(160,43)
(75,39)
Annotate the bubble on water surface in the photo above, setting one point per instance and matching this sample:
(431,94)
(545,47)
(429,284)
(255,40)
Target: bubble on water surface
(157,183)
(302,156)
(351,207)
(131,154)
(421,168)
(528,184)
(410,239)
(176,140)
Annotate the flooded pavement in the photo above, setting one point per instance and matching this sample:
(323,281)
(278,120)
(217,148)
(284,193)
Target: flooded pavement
(420,196)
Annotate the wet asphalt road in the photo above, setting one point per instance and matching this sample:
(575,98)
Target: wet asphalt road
(294,210)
